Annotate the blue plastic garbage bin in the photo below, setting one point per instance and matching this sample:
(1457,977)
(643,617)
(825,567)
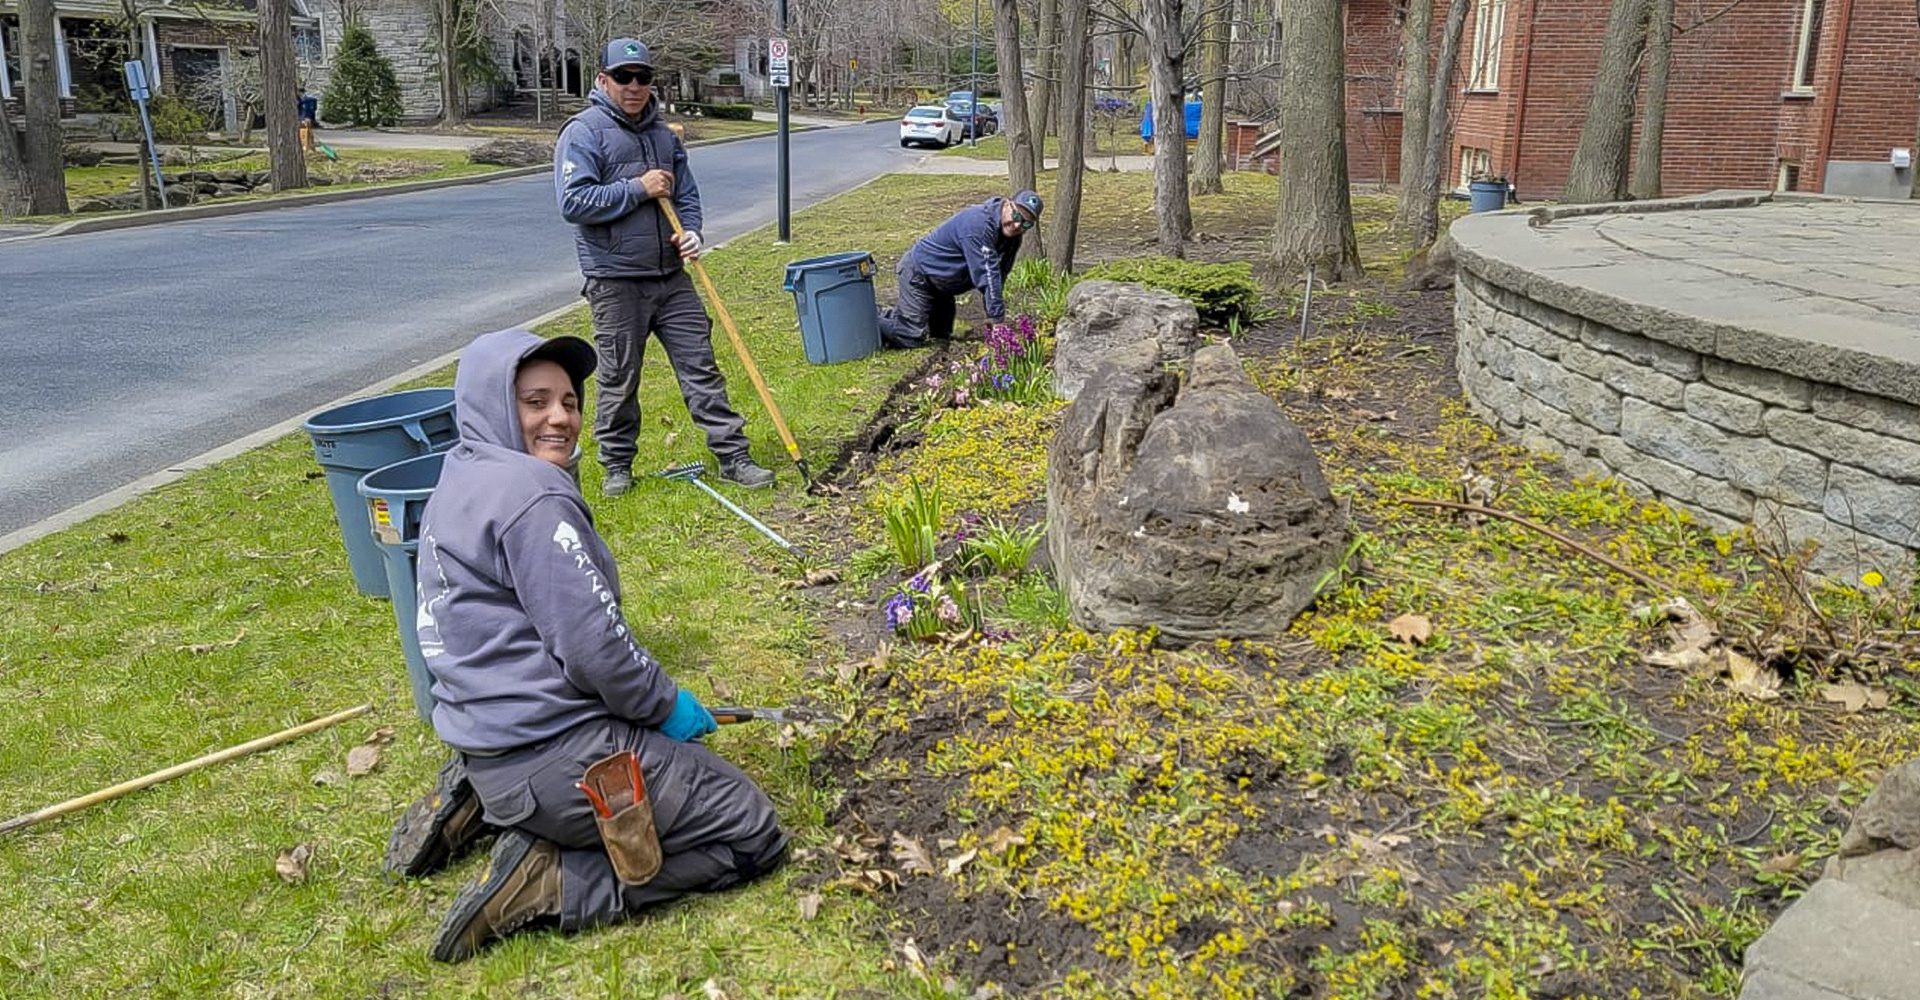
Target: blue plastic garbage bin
(352,440)
(1487,196)
(393,498)
(834,297)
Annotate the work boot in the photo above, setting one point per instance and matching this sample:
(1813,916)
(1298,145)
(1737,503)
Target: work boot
(520,890)
(746,472)
(618,481)
(438,828)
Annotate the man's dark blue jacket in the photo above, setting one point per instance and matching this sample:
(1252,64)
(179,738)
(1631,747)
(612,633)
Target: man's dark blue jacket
(968,251)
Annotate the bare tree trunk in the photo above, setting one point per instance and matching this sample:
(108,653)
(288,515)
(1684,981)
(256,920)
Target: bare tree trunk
(1653,121)
(1599,168)
(1416,56)
(1063,222)
(1046,70)
(286,160)
(1316,216)
(46,171)
(14,197)
(1166,55)
(1013,101)
(1208,157)
(446,29)
(1439,100)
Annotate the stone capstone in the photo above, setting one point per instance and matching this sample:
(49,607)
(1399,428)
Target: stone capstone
(1104,317)
(1199,509)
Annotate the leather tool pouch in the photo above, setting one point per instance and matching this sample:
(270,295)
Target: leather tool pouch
(633,845)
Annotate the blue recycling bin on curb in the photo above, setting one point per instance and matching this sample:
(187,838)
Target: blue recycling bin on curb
(393,498)
(1487,196)
(356,438)
(834,297)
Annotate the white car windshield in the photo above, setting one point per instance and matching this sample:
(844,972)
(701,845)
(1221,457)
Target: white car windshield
(925,113)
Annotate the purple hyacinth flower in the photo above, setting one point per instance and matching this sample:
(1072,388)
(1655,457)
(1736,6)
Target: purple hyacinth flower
(919,583)
(899,611)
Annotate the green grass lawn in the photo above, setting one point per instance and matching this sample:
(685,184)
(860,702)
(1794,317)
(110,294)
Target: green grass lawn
(724,128)
(349,171)
(220,608)
(1121,142)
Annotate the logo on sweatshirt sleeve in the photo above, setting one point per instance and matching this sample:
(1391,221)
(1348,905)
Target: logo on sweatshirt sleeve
(565,536)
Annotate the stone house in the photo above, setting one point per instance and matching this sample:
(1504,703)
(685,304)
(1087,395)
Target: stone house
(189,51)
(1789,95)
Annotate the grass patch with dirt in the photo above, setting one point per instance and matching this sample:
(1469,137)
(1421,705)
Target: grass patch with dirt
(354,168)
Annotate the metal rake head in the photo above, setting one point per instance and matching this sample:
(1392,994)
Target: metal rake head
(688,470)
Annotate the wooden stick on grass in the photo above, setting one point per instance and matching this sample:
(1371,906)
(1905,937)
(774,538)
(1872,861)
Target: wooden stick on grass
(95,798)
(1599,557)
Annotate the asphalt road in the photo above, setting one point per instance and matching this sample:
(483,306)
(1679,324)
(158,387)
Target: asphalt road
(132,350)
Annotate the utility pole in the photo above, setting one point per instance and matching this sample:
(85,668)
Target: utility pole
(973,125)
(777,69)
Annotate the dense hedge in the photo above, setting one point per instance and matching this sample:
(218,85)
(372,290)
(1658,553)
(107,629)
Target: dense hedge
(737,112)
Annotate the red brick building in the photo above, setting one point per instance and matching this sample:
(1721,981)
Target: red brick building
(1771,94)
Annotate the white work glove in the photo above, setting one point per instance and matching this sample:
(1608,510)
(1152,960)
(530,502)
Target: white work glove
(689,243)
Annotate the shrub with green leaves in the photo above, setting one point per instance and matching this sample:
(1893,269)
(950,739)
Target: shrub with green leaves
(1006,549)
(1043,292)
(363,89)
(1222,293)
(913,525)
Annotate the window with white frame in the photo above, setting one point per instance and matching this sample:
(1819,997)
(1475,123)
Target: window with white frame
(1489,31)
(1474,163)
(10,78)
(1807,55)
(309,46)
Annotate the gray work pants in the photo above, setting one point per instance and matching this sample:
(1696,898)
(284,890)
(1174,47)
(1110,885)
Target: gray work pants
(920,312)
(717,828)
(625,312)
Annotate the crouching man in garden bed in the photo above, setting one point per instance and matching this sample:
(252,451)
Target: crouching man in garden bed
(537,679)
(972,250)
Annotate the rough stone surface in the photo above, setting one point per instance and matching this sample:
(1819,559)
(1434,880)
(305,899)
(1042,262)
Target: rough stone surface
(1104,316)
(1693,353)
(1890,816)
(1199,509)
(1842,938)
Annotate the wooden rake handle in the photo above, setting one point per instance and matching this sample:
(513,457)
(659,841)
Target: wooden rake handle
(739,346)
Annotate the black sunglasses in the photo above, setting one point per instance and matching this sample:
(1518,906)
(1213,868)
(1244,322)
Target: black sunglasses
(623,76)
(1023,220)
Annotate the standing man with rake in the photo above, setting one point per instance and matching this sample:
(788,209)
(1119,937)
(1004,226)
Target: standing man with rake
(612,162)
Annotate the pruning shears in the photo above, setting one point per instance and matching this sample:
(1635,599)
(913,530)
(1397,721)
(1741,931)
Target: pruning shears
(730,714)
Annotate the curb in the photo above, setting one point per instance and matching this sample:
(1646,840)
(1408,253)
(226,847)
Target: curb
(163,216)
(107,501)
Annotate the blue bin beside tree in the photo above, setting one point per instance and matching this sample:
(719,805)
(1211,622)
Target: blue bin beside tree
(1487,194)
(356,438)
(834,297)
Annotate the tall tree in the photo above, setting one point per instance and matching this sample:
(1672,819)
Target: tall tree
(1021,162)
(1208,157)
(46,172)
(1416,52)
(1599,168)
(1046,73)
(14,198)
(1653,120)
(286,161)
(1315,227)
(1439,125)
(1166,60)
(1063,226)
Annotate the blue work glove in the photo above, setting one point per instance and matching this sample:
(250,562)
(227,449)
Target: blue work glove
(690,719)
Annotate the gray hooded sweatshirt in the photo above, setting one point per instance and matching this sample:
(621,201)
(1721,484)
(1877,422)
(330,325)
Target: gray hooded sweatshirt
(520,618)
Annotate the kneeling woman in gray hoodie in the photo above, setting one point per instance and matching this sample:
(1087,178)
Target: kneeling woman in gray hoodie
(537,677)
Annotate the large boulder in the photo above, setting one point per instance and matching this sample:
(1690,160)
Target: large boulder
(513,153)
(1103,318)
(1199,509)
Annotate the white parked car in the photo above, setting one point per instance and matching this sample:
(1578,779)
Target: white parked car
(930,124)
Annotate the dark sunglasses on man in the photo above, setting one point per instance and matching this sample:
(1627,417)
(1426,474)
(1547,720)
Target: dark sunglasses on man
(624,75)
(1023,220)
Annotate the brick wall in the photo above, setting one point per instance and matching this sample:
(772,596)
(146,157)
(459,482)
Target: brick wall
(1879,97)
(1373,92)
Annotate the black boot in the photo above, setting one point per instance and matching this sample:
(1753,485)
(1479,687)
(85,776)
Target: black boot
(520,890)
(438,828)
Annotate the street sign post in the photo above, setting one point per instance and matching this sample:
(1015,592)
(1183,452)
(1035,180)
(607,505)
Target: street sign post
(141,92)
(778,78)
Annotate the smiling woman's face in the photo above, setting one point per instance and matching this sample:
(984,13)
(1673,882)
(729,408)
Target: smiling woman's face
(549,411)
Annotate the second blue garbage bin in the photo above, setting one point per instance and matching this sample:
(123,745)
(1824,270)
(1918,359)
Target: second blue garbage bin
(354,439)
(1487,195)
(394,498)
(834,297)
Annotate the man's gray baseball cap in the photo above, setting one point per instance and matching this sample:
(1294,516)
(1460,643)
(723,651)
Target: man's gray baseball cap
(626,52)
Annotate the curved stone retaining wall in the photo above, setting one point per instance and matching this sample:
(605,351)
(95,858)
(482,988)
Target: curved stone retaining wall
(1643,347)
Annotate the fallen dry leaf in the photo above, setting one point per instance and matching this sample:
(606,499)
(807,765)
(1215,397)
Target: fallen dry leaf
(292,865)
(809,906)
(1684,659)
(361,760)
(1690,628)
(203,648)
(916,962)
(1854,696)
(1781,864)
(325,778)
(911,855)
(1751,679)
(1411,629)
(960,861)
(713,990)
(1003,839)
(822,577)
